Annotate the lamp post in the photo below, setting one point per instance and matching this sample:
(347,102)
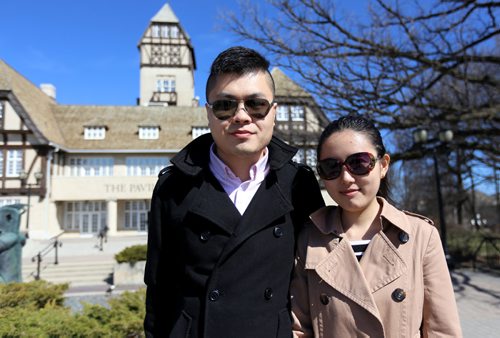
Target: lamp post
(23,176)
(420,136)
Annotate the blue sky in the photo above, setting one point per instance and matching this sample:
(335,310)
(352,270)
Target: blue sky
(88,48)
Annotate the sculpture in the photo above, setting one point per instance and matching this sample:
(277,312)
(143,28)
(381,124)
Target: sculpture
(11,243)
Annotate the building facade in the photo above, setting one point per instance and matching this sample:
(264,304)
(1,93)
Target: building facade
(79,169)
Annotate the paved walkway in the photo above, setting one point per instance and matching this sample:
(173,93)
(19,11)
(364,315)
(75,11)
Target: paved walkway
(478,299)
(477,292)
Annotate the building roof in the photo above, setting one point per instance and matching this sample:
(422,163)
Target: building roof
(286,87)
(166,15)
(63,125)
(122,126)
(31,103)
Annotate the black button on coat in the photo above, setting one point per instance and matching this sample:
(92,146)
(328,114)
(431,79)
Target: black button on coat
(233,282)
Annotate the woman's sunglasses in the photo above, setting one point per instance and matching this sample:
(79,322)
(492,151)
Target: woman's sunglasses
(225,109)
(356,164)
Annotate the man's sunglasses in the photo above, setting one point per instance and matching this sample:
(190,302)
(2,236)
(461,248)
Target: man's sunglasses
(357,164)
(225,109)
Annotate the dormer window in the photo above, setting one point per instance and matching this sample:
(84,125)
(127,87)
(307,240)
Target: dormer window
(94,133)
(198,131)
(149,132)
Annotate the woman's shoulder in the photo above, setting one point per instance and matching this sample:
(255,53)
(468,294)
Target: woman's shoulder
(408,221)
(418,217)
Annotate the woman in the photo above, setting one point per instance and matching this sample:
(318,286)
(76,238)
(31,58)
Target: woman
(365,268)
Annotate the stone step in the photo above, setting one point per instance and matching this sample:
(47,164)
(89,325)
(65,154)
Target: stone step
(77,273)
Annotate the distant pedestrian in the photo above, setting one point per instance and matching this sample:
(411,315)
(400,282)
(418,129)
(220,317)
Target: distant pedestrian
(102,236)
(365,268)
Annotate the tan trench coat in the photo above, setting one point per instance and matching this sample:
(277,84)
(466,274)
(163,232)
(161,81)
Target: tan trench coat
(400,288)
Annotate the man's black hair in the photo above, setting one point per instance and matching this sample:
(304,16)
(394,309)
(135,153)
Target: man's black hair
(238,60)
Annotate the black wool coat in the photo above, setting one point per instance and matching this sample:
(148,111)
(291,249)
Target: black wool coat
(214,273)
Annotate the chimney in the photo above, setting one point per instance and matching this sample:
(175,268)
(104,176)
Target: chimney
(49,89)
(195,102)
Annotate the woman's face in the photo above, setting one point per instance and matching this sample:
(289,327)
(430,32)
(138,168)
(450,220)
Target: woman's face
(354,193)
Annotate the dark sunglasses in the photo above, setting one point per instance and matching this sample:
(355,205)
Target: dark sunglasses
(356,164)
(225,109)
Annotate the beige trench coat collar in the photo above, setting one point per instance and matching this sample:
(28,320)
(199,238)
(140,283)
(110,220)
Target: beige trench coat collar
(334,261)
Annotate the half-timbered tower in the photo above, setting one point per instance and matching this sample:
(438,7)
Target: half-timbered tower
(167,63)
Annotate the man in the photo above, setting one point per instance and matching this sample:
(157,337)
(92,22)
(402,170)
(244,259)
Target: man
(225,214)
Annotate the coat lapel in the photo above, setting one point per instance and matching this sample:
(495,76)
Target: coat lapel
(267,205)
(333,259)
(381,254)
(341,270)
(213,203)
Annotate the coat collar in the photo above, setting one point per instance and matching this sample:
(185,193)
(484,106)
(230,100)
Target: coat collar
(334,261)
(327,222)
(195,157)
(211,201)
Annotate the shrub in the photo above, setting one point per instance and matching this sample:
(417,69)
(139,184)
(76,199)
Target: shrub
(37,294)
(125,314)
(36,309)
(132,254)
(51,321)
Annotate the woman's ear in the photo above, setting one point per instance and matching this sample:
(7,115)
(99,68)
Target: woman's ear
(384,165)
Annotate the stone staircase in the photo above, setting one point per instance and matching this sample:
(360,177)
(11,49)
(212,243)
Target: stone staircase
(77,271)
(87,267)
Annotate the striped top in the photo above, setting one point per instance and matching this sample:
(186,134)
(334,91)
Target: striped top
(359,247)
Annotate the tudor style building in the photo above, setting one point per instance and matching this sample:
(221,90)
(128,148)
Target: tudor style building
(83,168)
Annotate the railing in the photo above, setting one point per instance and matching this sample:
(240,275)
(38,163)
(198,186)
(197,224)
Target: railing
(54,244)
(492,241)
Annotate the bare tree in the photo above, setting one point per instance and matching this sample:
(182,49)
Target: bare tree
(391,63)
(407,64)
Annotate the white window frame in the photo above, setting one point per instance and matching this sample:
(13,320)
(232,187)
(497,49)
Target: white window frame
(85,216)
(166,85)
(174,32)
(149,132)
(155,31)
(297,113)
(2,111)
(136,215)
(9,201)
(94,133)
(198,131)
(282,113)
(90,166)
(164,31)
(14,162)
(145,166)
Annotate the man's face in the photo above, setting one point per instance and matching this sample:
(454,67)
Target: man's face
(241,137)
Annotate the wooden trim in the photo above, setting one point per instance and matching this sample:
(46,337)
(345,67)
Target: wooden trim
(16,131)
(35,191)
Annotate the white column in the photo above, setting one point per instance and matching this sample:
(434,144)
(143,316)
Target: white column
(112,217)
